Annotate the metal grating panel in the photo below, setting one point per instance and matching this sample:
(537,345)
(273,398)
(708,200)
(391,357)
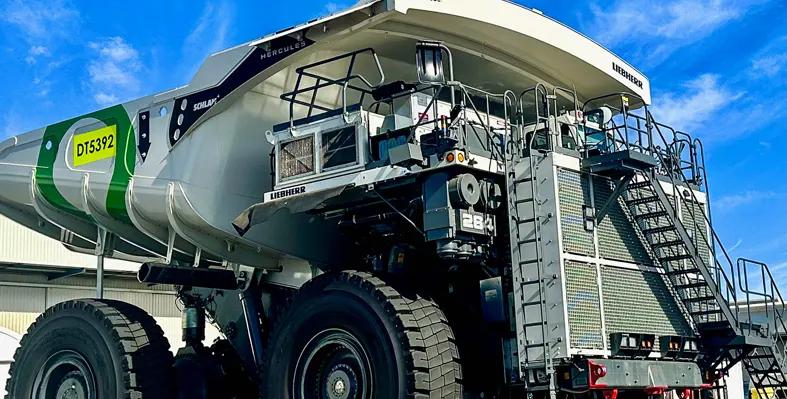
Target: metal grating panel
(296,157)
(617,237)
(574,192)
(640,302)
(582,305)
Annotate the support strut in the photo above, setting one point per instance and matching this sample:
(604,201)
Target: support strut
(251,299)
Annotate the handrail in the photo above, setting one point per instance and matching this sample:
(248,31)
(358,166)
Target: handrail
(775,297)
(322,82)
(730,285)
(539,88)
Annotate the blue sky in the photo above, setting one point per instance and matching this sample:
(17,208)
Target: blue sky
(716,69)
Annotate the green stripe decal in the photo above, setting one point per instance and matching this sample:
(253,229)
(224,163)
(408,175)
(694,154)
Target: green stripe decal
(125,161)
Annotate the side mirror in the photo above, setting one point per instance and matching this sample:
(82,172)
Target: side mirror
(429,61)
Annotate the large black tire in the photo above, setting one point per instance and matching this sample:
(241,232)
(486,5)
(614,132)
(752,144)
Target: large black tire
(116,345)
(407,344)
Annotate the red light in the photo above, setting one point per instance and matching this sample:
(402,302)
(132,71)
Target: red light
(685,393)
(657,390)
(597,371)
(610,393)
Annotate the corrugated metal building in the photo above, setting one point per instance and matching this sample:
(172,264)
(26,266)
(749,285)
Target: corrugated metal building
(37,272)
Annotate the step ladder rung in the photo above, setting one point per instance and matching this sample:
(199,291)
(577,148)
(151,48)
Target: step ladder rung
(523,180)
(532,303)
(535,324)
(523,201)
(699,299)
(656,230)
(529,346)
(651,215)
(642,201)
(664,244)
(674,258)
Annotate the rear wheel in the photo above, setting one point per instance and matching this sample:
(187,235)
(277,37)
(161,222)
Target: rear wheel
(352,336)
(93,349)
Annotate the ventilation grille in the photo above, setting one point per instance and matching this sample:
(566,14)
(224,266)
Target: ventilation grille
(582,304)
(617,238)
(339,148)
(296,158)
(636,301)
(574,192)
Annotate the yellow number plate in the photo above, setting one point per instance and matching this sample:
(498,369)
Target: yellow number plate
(95,145)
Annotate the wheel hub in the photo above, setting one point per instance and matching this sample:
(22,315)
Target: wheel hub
(342,383)
(334,365)
(72,386)
(65,375)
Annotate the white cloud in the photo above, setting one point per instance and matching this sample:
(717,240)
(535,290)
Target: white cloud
(737,244)
(209,35)
(113,71)
(771,59)
(701,99)
(41,20)
(656,29)
(730,202)
(39,50)
(35,52)
(105,99)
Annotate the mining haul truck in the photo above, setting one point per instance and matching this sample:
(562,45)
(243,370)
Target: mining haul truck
(404,199)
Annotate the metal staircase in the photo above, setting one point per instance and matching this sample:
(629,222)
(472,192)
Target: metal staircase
(673,223)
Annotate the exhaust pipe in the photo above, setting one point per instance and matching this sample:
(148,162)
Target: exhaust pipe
(159,273)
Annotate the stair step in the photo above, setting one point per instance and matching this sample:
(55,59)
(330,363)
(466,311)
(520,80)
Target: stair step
(675,258)
(760,357)
(665,244)
(698,299)
(639,184)
(642,201)
(699,284)
(706,312)
(656,230)
(651,215)
(679,272)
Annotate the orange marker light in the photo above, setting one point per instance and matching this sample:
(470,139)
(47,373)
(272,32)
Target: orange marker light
(461,157)
(450,157)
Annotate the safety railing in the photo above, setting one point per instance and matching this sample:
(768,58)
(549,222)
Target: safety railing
(465,116)
(704,234)
(321,82)
(770,297)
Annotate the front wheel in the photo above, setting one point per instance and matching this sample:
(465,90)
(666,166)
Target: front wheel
(352,336)
(93,349)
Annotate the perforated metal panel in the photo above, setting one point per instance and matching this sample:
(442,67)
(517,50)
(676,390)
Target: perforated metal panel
(574,192)
(617,237)
(640,302)
(583,306)
(693,217)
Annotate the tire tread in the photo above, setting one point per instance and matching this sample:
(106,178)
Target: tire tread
(423,330)
(139,341)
